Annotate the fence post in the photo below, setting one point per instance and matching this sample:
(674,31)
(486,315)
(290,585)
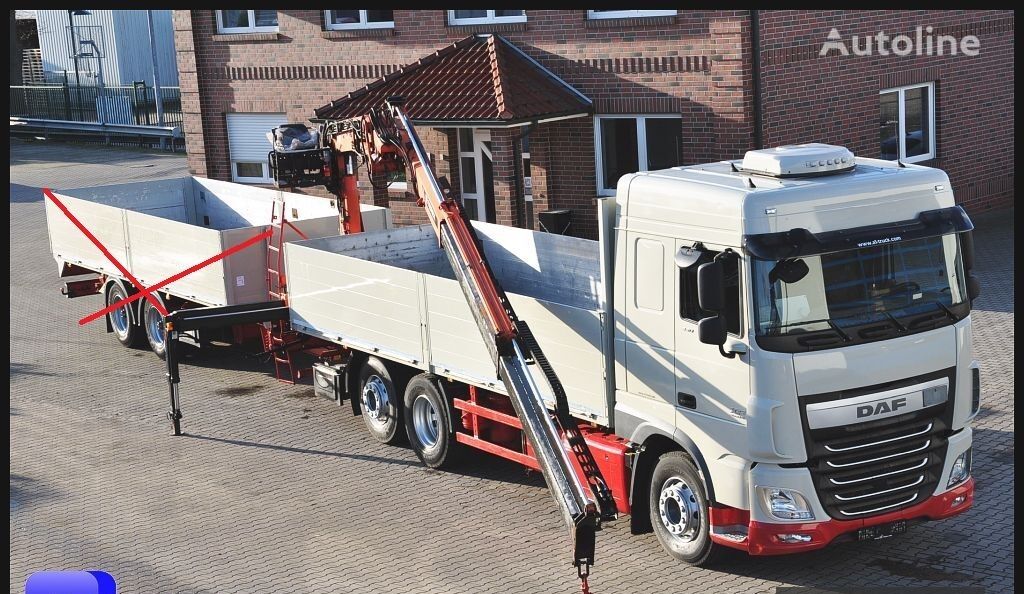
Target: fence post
(67,98)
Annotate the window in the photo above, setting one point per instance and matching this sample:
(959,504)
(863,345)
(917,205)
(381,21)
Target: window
(627,144)
(689,308)
(246,21)
(483,17)
(467,172)
(907,127)
(625,14)
(359,19)
(248,145)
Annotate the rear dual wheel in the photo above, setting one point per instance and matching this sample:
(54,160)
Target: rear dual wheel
(427,423)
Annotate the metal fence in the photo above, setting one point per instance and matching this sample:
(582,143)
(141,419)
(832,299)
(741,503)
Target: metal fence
(134,104)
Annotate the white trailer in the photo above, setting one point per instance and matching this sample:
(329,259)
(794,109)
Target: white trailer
(160,228)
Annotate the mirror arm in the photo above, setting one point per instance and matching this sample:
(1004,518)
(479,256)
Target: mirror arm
(725,353)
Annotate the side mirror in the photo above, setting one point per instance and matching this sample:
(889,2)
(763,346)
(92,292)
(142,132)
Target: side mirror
(711,331)
(973,287)
(967,249)
(710,287)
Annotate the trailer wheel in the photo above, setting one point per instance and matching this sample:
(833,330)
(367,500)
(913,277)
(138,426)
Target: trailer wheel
(427,423)
(153,321)
(679,510)
(380,402)
(127,332)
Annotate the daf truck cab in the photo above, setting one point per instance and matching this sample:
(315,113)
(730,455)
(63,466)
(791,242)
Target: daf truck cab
(798,324)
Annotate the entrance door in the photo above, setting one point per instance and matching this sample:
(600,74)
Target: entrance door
(477,173)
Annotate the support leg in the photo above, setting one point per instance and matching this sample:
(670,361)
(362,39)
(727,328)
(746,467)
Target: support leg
(172,381)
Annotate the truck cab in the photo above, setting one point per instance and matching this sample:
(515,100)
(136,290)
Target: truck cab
(796,325)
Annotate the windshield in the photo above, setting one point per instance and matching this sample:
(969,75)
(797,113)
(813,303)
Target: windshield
(860,295)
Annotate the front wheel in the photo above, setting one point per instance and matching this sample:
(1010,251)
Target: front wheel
(426,423)
(679,510)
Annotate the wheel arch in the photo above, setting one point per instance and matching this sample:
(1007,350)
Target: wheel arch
(135,309)
(656,441)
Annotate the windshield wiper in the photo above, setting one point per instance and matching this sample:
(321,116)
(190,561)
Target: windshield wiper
(839,331)
(947,311)
(896,322)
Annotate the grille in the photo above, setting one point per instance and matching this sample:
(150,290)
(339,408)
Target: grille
(878,467)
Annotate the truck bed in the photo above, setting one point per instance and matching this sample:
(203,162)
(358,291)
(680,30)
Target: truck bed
(158,228)
(393,293)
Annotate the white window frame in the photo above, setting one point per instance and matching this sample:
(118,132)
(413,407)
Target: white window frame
(641,141)
(527,187)
(487,20)
(250,29)
(362,24)
(266,179)
(901,132)
(627,14)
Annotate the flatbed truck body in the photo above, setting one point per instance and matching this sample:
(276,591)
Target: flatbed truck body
(768,354)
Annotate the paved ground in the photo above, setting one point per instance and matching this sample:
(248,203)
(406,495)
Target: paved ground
(274,490)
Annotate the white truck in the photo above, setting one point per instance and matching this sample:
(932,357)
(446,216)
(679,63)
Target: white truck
(768,354)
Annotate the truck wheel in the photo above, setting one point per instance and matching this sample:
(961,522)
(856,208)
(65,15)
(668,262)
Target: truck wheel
(426,423)
(679,510)
(380,402)
(153,322)
(126,331)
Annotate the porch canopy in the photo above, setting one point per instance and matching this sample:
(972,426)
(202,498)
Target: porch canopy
(482,80)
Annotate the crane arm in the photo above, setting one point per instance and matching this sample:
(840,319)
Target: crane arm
(385,141)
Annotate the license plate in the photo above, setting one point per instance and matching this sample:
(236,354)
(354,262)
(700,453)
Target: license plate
(882,530)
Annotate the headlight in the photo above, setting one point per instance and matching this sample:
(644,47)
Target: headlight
(961,469)
(786,504)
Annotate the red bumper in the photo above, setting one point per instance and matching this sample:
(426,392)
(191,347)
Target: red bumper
(762,537)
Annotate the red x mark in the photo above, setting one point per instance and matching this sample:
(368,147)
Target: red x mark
(143,290)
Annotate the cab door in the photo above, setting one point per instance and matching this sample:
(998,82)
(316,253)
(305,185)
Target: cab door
(708,384)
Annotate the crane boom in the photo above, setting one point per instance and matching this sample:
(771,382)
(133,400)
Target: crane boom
(385,140)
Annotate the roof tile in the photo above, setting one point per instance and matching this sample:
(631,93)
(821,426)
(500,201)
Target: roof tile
(482,78)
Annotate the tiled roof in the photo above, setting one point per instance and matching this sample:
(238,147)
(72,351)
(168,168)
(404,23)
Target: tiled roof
(479,79)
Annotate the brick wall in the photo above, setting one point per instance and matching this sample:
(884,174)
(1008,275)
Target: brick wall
(692,64)
(696,64)
(835,99)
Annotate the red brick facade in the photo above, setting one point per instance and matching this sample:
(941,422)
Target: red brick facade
(697,64)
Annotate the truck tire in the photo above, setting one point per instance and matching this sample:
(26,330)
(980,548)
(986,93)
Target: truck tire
(125,329)
(679,510)
(380,403)
(153,323)
(427,423)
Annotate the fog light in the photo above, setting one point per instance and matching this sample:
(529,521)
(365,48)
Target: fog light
(793,538)
(958,501)
(961,469)
(786,504)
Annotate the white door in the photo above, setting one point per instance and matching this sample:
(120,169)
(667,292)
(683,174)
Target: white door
(476,173)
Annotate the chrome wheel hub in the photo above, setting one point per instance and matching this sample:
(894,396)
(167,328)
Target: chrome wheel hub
(424,421)
(679,510)
(376,401)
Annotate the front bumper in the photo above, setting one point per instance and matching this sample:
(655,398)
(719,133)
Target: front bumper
(762,538)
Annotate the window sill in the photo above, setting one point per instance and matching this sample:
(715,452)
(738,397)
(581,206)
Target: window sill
(246,36)
(487,27)
(358,33)
(624,22)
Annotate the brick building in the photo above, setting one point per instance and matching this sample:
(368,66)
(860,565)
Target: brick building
(529,111)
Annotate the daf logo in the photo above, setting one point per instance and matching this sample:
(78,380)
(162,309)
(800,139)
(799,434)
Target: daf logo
(886,406)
